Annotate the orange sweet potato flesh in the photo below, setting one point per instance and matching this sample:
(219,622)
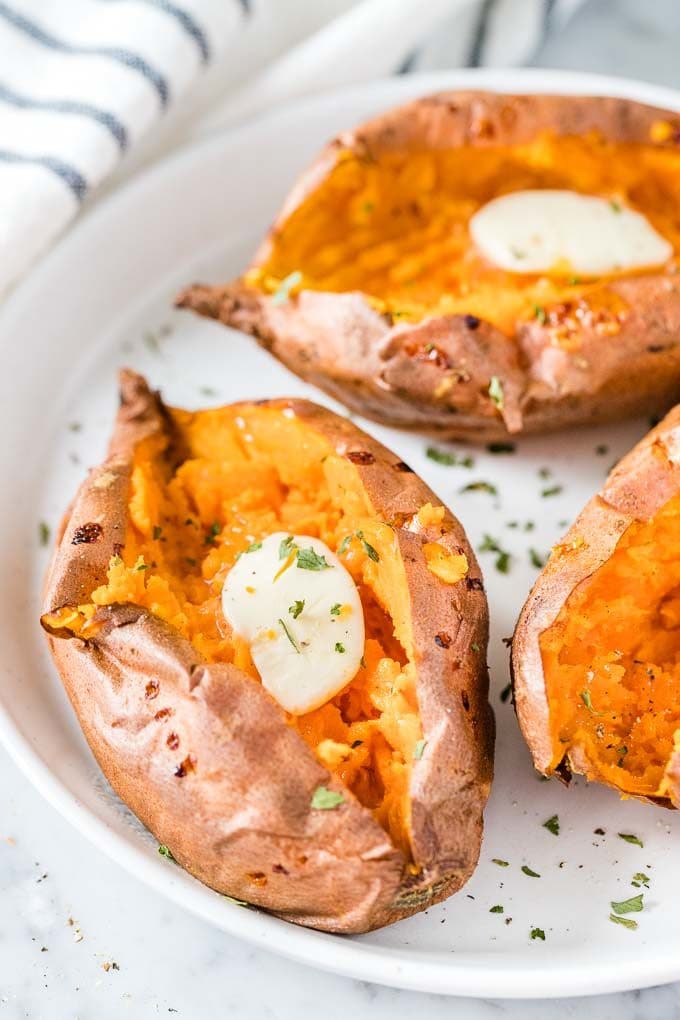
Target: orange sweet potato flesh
(596,651)
(612,659)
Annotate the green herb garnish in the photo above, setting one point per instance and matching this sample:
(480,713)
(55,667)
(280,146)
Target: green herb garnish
(43,533)
(441,457)
(214,531)
(289,636)
(339,647)
(307,559)
(282,294)
(164,851)
(631,906)
(480,487)
(500,863)
(503,558)
(587,701)
(506,692)
(496,392)
(344,545)
(627,922)
(498,909)
(335,610)
(527,871)
(536,559)
(324,799)
(538,933)
(419,749)
(639,878)
(553,825)
(552,490)
(157,531)
(540,314)
(286,547)
(296,608)
(615,206)
(253,547)
(142,566)
(630,838)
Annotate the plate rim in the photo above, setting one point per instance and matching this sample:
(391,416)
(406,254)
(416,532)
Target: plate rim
(475,974)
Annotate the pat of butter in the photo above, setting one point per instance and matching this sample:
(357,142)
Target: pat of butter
(298,608)
(563,231)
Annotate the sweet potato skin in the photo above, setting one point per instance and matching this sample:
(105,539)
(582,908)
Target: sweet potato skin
(233,801)
(341,344)
(637,488)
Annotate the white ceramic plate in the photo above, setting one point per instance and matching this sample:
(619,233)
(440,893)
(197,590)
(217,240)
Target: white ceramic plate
(103,299)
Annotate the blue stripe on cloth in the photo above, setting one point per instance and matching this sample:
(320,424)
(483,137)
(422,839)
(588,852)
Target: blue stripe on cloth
(186,20)
(102,117)
(125,57)
(68,174)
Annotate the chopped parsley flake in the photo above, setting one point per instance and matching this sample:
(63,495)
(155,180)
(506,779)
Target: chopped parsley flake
(540,314)
(615,206)
(43,533)
(506,692)
(237,903)
(587,701)
(157,531)
(339,647)
(142,566)
(627,922)
(344,545)
(307,559)
(553,825)
(164,851)
(630,838)
(282,294)
(289,636)
(631,906)
(552,490)
(496,392)
(324,799)
(474,646)
(286,547)
(480,487)
(419,749)
(335,610)
(527,871)
(441,457)
(296,608)
(498,909)
(639,878)
(500,863)
(503,558)
(253,547)
(537,933)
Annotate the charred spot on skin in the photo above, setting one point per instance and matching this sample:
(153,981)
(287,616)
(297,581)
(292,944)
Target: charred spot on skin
(279,869)
(152,690)
(472,322)
(185,767)
(173,741)
(563,771)
(403,467)
(87,533)
(466,700)
(118,548)
(442,639)
(360,457)
(474,584)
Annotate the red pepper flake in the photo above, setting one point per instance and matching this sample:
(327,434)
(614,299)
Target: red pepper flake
(87,533)
(151,690)
(360,457)
(185,767)
(443,639)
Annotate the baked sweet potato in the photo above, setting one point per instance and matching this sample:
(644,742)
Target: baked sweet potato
(369,284)
(353,815)
(595,653)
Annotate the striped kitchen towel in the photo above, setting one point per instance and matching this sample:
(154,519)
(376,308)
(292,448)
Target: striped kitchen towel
(82,82)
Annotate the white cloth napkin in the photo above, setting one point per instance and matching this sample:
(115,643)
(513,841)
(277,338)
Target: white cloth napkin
(82,82)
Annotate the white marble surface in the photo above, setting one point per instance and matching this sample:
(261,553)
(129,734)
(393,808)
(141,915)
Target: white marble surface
(81,939)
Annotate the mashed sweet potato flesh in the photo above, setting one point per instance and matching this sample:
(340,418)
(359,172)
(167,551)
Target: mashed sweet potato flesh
(242,475)
(611,660)
(396,227)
